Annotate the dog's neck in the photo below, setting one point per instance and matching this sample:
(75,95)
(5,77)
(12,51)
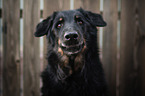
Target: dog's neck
(69,65)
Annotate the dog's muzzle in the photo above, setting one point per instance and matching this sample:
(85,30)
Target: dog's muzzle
(72,43)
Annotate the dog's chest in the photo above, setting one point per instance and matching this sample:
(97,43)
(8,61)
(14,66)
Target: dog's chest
(77,87)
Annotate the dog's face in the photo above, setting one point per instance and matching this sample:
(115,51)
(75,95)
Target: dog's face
(67,30)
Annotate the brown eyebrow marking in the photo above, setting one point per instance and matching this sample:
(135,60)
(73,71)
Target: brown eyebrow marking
(77,16)
(60,19)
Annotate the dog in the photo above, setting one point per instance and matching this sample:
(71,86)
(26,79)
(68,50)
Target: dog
(74,67)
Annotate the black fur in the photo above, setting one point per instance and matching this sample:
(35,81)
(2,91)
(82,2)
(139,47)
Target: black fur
(77,70)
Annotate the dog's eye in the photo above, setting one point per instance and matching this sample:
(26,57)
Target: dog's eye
(80,22)
(59,25)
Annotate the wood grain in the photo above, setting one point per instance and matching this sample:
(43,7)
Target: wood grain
(140,47)
(90,5)
(11,48)
(110,14)
(127,69)
(31,60)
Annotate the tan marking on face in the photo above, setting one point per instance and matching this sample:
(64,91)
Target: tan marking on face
(78,58)
(64,60)
(84,41)
(64,63)
(59,42)
(77,16)
(60,51)
(60,19)
(78,62)
(83,49)
(70,71)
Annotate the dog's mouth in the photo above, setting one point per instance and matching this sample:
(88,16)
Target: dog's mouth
(72,49)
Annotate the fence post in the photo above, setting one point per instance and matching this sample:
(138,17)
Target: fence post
(11,48)
(31,60)
(109,60)
(127,68)
(140,46)
(90,5)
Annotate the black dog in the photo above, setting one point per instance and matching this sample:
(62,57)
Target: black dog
(74,67)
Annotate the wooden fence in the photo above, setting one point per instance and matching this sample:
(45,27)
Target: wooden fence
(122,44)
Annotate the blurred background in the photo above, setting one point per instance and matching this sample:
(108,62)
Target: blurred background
(121,43)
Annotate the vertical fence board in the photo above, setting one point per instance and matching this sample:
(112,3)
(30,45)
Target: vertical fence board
(11,47)
(55,5)
(49,8)
(31,60)
(128,27)
(109,60)
(140,46)
(0,49)
(91,5)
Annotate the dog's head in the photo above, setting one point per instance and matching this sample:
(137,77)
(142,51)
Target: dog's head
(66,30)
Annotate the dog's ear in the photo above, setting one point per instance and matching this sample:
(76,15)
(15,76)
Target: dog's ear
(96,19)
(42,27)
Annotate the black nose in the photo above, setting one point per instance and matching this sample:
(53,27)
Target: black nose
(71,36)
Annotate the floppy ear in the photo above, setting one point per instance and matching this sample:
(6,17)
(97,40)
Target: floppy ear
(43,27)
(96,19)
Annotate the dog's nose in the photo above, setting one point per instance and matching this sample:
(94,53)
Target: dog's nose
(71,36)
